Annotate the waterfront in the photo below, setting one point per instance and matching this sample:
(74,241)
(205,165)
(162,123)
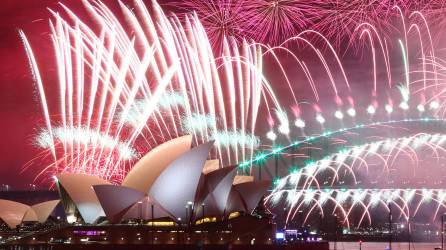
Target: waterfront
(383,245)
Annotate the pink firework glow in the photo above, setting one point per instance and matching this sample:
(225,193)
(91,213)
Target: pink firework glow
(273,21)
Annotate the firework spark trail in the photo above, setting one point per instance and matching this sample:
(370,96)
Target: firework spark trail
(386,151)
(38,79)
(341,18)
(96,57)
(235,140)
(199,123)
(85,136)
(220,18)
(371,31)
(328,70)
(139,70)
(345,200)
(438,90)
(169,101)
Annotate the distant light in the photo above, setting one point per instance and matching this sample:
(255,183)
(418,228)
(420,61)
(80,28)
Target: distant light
(71,219)
(389,108)
(280,236)
(179,218)
(190,203)
(351,112)
(420,107)
(271,135)
(338,114)
(299,123)
(404,106)
(284,129)
(434,105)
(320,119)
(371,109)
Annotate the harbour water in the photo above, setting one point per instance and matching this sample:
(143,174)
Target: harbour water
(384,245)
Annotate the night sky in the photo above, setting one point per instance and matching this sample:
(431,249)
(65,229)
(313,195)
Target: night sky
(20,109)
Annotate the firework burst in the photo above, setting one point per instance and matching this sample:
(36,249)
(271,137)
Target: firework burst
(273,21)
(221,19)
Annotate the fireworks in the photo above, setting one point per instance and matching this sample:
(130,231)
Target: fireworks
(154,81)
(283,122)
(413,97)
(238,139)
(120,94)
(86,137)
(354,159)
(344,201)
(274,21)
(328,134)
(199,123)
(170,100)
(347,166)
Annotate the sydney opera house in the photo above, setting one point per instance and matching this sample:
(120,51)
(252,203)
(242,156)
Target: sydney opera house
(172,196)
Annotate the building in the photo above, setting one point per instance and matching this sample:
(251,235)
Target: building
(173,182)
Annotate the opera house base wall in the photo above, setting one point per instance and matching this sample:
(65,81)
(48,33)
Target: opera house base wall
(243,232)
(300,246)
